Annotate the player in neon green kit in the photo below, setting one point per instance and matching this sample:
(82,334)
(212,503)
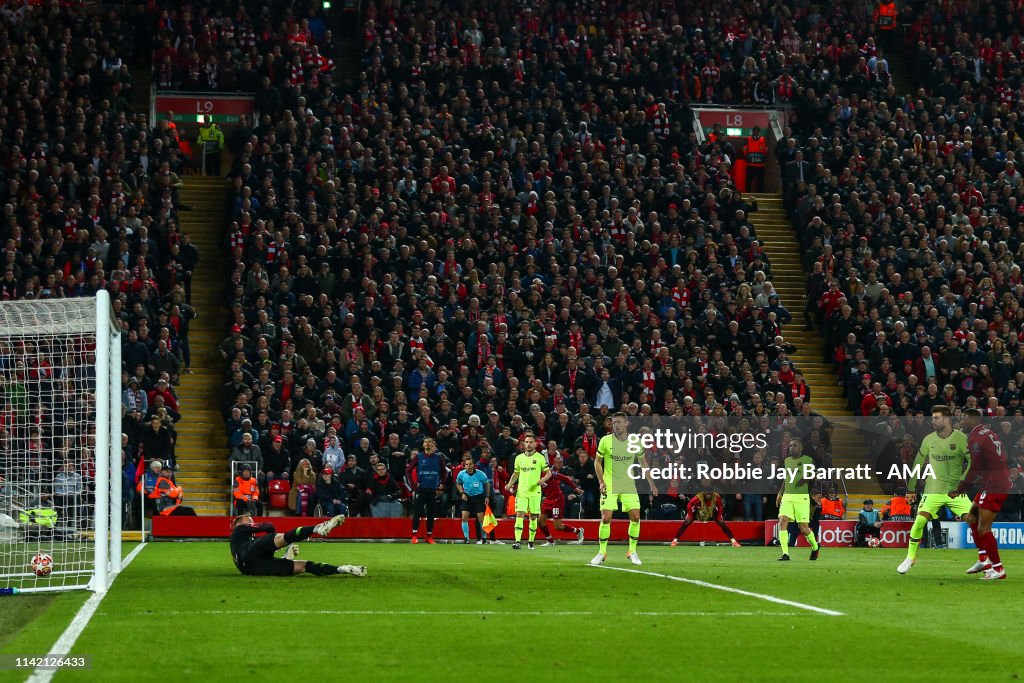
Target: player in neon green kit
(615,454)
(531,472)
(945,450)
(794,500)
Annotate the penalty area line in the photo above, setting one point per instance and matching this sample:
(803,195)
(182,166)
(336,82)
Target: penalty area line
(67,640)
(728,589)
(467,613)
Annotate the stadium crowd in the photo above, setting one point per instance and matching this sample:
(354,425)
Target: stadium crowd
(508,224)
(89,196)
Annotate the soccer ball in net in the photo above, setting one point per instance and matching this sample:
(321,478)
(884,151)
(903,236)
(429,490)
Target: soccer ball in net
(873,542)
(42,564)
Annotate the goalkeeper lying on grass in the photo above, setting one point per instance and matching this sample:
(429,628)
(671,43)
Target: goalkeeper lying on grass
(254,555)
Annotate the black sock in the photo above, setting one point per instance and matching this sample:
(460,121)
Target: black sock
(321,569)
(415,525)
(725,529)
(430,526)
(479,530)
(298,534)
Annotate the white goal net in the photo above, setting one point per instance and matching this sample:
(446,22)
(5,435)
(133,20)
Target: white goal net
(60,444)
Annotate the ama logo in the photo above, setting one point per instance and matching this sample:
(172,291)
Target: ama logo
(907,472)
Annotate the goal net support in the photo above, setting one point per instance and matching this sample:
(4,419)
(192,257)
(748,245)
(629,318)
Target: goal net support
(60,443)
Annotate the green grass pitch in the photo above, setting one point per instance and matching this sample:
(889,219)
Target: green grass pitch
(182,612)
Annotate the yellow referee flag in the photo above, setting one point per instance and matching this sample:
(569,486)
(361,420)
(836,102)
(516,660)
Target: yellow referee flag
(490,522)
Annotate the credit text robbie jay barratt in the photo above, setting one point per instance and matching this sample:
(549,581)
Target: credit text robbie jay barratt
(749,472)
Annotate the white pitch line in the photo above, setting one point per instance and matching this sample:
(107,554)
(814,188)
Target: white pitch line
(728,589)
(469,613)
(62,648)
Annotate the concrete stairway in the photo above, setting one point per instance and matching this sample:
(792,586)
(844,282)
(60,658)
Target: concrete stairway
(202,446)
(775,230)
(901,71)
(142,78)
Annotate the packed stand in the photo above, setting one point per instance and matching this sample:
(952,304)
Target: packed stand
(501,229)
(909,211)
(90,201)
(232,47)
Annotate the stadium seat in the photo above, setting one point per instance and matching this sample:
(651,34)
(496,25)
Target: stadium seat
(279,490)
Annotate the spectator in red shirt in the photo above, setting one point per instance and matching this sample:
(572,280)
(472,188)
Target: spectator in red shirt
(872,400)
(163,390)
(443,184)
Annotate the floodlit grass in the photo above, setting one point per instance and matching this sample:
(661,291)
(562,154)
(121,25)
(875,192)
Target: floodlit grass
(490,613)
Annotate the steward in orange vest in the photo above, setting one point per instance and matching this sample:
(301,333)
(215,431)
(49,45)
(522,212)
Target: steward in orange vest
(885,15)
(755,152)
(832,508)
(167,495)
(898,507)
(756,149)
(246,492)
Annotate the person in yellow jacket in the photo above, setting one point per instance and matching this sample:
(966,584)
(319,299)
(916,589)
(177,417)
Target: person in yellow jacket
(247,493)
(211,142)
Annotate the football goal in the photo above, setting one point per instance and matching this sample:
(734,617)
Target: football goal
(60,444)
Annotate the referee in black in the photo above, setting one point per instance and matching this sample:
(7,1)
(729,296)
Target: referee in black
(254,554)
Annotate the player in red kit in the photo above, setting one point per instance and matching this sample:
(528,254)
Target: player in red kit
(988,461)
(706,506)
(553,505)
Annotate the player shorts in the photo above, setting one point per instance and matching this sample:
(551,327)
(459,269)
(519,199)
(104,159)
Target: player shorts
(260,560)
(528,504)
(424,503)
(796,506)
(612,501)
(552,509)
(990,501)
(275,567)
(932,503)
(715,516)
(474,504)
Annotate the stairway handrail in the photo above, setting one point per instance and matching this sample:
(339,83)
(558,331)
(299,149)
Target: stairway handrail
(697,128)
(773,120)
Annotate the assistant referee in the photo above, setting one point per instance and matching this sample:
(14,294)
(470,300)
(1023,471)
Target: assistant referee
(474,488)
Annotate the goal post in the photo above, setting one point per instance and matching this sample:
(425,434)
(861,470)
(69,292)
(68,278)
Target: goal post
(61,463)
